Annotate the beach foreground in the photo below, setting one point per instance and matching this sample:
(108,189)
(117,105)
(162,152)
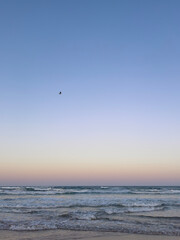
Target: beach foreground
(83,235)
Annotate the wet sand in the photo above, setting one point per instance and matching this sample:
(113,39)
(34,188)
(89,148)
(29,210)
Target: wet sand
(73,235)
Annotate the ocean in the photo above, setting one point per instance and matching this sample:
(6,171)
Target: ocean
(146,210)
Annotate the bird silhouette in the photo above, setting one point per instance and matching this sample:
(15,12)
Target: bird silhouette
(60,92)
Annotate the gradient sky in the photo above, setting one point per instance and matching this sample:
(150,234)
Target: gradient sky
(117,63)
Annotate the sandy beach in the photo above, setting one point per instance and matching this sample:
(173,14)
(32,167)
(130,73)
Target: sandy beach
(73,235)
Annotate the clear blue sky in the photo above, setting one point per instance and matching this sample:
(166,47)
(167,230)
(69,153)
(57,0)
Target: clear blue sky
(117,65)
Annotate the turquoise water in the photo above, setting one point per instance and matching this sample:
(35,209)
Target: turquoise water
(149,210)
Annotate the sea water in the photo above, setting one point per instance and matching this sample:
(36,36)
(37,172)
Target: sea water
(147,210)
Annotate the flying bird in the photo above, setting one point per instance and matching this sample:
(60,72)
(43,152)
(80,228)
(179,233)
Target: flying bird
(60,92)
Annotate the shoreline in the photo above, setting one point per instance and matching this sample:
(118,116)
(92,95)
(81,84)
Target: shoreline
(73,235)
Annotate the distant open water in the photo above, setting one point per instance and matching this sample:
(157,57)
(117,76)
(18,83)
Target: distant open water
(148,210)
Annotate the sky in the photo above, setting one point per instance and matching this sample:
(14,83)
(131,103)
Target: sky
(117,121)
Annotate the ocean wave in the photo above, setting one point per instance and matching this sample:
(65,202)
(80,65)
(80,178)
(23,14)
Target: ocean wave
(31,190)
(143,209)
(144,227)
(82,205)
(37,189)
